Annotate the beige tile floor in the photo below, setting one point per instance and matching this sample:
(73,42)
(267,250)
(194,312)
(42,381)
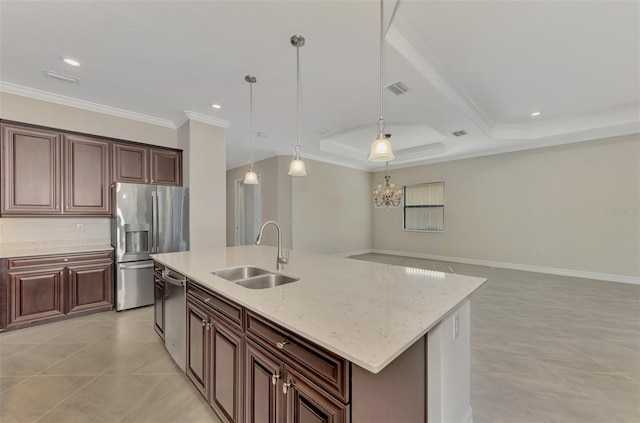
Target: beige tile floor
(544,349)
(107,367)
(548,348)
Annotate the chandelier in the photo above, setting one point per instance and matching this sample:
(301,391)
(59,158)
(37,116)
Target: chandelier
(387,196)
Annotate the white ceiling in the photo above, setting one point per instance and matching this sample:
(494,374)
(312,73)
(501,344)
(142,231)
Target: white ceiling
(481,66)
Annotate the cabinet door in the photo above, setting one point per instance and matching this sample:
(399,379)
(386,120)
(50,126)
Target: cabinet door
(86,188)
(158,306)
(130,163)
(166,167)
(35,295)
(226,372)
(263,398)
(305,402)
(90,287)
(197,330)
(30,171)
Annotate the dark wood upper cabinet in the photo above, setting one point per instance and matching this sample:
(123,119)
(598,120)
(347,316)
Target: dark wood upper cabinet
(145,165)
(166,167)
(87,181)
(130,163)
(31,171)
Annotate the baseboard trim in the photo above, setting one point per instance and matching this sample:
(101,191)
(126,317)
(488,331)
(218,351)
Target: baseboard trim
(468,417)
(515,266)
(353,253)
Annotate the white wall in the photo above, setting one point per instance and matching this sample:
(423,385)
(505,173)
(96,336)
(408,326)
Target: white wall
(332,209)
(553,202)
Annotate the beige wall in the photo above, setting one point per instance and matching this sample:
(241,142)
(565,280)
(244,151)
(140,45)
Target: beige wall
(206,176)
(553,203)
(275,194)
(38,112)
(332,209)
(328,211)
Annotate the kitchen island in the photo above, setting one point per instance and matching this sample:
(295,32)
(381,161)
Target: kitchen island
(368,326)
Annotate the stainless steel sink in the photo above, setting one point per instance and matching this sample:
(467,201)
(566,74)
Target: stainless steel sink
(254,277)
(240,273)
(267,281)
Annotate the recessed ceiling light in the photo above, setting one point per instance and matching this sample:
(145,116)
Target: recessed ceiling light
(536,113)
(216,106)
(70,61)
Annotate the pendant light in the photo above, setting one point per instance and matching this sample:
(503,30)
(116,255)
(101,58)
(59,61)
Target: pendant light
(297,168)
(387,196)
(251,177)
(381,147)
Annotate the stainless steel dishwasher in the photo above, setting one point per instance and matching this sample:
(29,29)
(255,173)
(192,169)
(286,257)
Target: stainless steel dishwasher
(175,305)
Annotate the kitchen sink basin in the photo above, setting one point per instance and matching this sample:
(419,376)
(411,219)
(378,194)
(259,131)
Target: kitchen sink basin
(240,273)
(266,281)
(254,277)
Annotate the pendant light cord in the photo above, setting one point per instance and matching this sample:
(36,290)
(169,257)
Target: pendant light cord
(251,124)
(297,100)
(381,122)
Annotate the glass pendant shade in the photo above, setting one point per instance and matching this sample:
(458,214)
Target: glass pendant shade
(251,177)
(381,150)
(297,168)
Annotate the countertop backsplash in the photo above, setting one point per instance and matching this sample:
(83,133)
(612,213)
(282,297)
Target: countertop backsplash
(52,234)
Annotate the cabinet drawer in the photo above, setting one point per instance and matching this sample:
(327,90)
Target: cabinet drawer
(41,261)
(229,312)
(324,367)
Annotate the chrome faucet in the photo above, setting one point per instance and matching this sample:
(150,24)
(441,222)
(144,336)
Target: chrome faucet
(281,260)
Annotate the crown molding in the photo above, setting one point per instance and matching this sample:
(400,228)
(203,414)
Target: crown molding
(20,90)
(202,118)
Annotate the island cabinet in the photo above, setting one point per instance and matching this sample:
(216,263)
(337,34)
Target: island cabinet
(214,351)
(251,369)
(41,288)
(158,300)
(146,165)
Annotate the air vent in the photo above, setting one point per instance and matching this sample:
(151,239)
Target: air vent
(460,133)
(398,88)
(61,77)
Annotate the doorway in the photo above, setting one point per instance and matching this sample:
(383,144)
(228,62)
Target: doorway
(248,216)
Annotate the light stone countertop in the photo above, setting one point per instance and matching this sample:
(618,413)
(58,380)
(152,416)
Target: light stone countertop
(368,313)
(36,249)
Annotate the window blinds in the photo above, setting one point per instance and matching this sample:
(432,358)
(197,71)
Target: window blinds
(424,207)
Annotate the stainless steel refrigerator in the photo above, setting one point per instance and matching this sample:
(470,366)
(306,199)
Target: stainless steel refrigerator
(148,219)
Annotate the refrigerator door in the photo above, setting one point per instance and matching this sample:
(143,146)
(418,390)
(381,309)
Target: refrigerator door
(132,229)
(134,284)
(171,219)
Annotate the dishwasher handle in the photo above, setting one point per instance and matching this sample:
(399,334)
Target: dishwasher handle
(174,281)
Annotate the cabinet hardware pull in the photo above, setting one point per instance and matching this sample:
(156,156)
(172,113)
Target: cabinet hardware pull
(203,322)
(274,378)
(285,387)
(281,344)
(208,326)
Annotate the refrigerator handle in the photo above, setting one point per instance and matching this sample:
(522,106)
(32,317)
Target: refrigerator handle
(154,220)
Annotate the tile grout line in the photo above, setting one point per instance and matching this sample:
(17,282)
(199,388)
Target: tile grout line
(141,398)
(65,398)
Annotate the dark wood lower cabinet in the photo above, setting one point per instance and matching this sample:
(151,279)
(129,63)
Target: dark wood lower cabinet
(90,286)
(40,288)
(225,346)
(263,391)
(305,402)
(197,365)
(158,305)
(35,295)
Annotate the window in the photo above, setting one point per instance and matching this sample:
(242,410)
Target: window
(424,207)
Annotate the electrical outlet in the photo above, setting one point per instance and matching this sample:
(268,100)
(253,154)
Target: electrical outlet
(456,326)
(80,227)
